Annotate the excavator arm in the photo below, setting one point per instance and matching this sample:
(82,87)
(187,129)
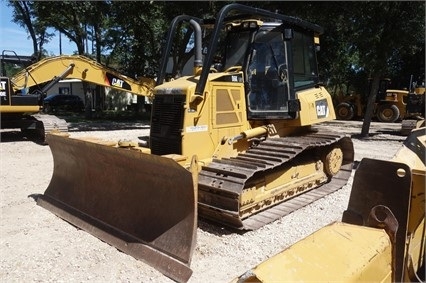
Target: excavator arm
(79,67)
(22,111)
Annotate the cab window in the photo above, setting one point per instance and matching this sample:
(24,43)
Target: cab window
(304,60)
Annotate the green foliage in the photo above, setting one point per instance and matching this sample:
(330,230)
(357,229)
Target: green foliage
(25,16)
(69,17)
(361,39)
(11,69)
(385,32)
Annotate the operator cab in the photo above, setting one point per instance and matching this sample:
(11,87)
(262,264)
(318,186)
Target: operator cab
(277,61)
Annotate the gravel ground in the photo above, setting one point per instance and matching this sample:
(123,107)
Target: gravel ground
(37,246)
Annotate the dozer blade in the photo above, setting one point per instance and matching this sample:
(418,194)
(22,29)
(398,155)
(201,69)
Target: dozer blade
(144,205)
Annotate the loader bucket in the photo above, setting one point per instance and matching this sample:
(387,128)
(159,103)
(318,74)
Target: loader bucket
(142,204)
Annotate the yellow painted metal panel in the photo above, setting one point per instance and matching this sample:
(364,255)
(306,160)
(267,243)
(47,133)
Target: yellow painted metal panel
(339,252)
(228,106)
(20,109)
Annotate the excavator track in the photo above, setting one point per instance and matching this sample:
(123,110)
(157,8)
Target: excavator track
(223,181)
(47,124)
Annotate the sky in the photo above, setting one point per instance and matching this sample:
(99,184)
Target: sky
(15,38)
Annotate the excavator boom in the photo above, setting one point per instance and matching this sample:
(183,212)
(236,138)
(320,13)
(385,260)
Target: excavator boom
(83,68)
(20,110)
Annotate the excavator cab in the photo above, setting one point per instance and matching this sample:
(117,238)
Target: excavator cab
(15,101)
(19,106)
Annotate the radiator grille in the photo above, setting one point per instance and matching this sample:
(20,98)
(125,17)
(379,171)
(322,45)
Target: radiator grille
(167,124)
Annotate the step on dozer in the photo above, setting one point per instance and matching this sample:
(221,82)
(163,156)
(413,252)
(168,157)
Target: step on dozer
(147,208)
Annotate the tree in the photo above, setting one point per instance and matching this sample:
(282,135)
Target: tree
(383,33)
(68,17)
(137,31)
(335,58)
(25,16)
(361,39)
(97,13)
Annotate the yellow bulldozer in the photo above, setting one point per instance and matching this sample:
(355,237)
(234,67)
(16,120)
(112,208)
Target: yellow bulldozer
(381,237)
(20,108)
(232,140)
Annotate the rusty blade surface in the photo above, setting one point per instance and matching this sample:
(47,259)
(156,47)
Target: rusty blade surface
(144,205)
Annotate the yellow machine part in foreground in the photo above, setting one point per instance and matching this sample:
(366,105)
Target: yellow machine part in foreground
(339,252)
(382,234)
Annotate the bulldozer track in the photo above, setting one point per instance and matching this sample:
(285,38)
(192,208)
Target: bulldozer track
(222,181)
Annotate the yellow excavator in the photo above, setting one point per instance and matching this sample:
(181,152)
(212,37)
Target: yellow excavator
(18,110)
(381,237)
(234,140)
(23,110)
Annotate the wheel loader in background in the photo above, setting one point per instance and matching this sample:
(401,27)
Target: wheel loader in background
(416,107)
(391,104)
(353,105)
(19,109)
(244,118)
(381,237)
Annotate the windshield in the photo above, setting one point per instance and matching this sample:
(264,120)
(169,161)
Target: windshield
(268,74)
(236,48)
(304,58)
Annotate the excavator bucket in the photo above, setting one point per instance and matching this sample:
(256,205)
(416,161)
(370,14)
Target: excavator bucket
(142,204)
